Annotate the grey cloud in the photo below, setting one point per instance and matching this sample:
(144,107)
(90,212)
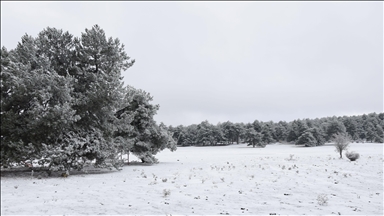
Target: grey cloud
(236,61)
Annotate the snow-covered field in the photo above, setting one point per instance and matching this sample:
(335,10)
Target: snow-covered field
(235,180)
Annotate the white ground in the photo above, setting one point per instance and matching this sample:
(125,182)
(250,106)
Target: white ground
(235,180)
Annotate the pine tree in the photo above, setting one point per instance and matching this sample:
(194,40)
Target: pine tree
(254,138)
(229,131)
(351,127)
(239,130)
(144,138)
(58,47)
(281,131)
(190,135)
(63,103)
(370,131)
(379,134)
(312,137)
(319,135)
(334,127)
(307,139)
(98,90)
(297,128)
(257,126)
(35,106)
(268,132)
(204,131)
(178,133)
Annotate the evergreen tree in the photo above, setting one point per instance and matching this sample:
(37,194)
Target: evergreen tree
(229,131)
(36,104)
(63,103)
(370,132)
(319,135)
(254,138)
(97,91)
(379,134)
(301,127)
(239,130)
(268,132)
(312,137)
(204,133)
(190,135)
(257,126)
(380,117)
(351,127)
(144,138)
(334,127)
(58,47)
(297,128)
(178,134)
(281,131)
(208,134)
(307,139)
(360,131)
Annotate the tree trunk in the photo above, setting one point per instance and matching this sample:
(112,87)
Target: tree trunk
(128,156)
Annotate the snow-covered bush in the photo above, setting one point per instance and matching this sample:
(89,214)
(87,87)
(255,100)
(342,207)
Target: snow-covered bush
(322,199)
(352,155)
(166,192)
(291,157)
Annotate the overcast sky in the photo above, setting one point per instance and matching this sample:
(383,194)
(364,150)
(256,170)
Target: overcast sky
(236,61)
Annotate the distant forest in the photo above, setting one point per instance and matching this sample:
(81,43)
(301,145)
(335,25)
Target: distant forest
(307,132)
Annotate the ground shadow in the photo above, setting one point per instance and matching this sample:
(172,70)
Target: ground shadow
(38,172)
(43,173)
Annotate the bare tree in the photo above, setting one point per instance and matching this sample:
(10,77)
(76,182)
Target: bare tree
(341,141)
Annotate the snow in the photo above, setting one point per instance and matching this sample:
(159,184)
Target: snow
(235,180)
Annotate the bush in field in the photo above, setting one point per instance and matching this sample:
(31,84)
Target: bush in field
(352,156)
(166,192)
(290,157)
(322,199)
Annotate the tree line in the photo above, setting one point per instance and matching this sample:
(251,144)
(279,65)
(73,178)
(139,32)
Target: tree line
(307,132)
(63,103)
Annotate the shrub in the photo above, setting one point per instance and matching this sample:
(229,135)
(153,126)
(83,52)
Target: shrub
(322,199)
(352,156)
(291,157)
(166,192)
